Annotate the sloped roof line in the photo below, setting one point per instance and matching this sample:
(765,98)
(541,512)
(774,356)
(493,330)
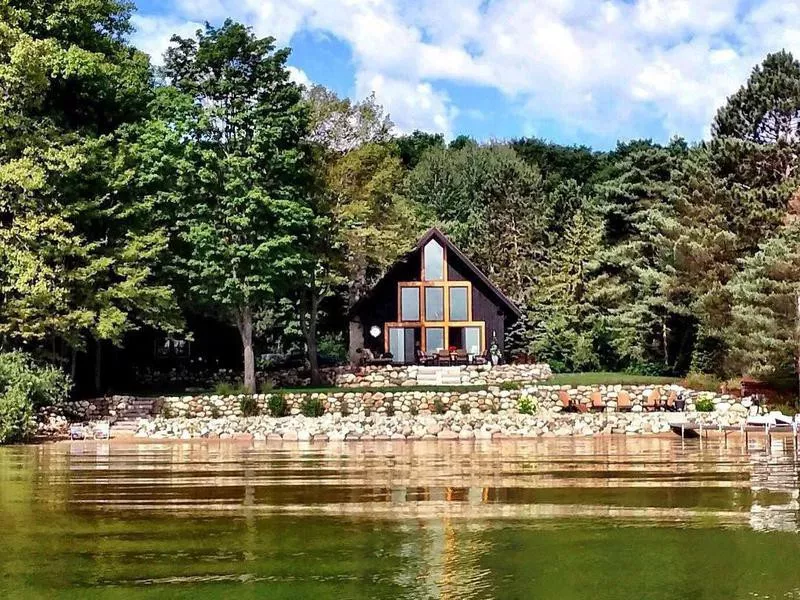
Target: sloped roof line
(439,236)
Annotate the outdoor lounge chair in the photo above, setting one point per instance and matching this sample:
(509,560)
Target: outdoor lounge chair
(102,430)
(653,401)
(461,358)
(598,404)
(671,401)
(443,357)
(77,432)
(624,403)
(567,405)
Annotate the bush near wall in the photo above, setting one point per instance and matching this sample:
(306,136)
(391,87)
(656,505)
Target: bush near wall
(26,387)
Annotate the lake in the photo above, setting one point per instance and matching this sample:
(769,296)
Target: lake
(601,518)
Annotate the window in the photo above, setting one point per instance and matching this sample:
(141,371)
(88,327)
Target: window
(397,344)
(434,304)
(434,339)
(472,340)
(458,304)
(434,261)
(409,304)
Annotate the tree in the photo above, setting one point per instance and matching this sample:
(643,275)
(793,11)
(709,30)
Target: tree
(339,124)
(413,146)
(78,255)
(764,329)
(730,196)
(766,109)
(362,223)
(636,204)
(559,163)
(240,195)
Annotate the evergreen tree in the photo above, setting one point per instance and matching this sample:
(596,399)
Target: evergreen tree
(763,333)
(765,110)
(636,207)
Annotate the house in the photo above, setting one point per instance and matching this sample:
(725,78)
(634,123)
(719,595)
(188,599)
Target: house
(433,298)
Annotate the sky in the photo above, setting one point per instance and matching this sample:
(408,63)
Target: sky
(571,71)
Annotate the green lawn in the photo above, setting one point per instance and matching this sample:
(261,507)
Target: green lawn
(609,379)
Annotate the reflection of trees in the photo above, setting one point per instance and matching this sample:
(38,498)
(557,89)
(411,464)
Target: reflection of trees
(775,484)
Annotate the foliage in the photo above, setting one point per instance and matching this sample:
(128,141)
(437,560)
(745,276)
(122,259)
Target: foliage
(527,405)
(510,385)
(229,388)
(249,406)
(704,403)
(231,123)
(312,407)
(766,109)
(439,407)
(26,386)
(464,407)
(277,405)
(702,381)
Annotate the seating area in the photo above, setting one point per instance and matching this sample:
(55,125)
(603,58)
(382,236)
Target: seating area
(449,357)
(597,403)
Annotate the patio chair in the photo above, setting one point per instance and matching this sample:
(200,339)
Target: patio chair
(102,431)
(670,405)
(653,401)
(624,403)
(77,432)
(443,356)
(462,358)
(598,404)
(567,405)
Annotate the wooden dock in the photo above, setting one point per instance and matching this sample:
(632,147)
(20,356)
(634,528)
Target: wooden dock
(696,430)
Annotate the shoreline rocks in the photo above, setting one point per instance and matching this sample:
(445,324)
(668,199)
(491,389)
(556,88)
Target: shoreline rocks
(449,426)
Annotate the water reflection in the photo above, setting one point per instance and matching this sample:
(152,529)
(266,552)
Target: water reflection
(645,480)
(649,517)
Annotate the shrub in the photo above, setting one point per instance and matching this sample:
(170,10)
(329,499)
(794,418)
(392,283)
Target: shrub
(414,411)
(704,404)
(25,387)
(266,386)
(438,406)
(526,405)
(16,416)
(704,382)
(249,406)
(42,385)
(464,408)
(277,405)
(312,407)
(227,388)
(509,386)
(367,411)
(344,409)
(390,409)
(215,414)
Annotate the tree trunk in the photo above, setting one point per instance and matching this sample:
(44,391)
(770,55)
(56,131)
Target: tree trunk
(244,322)
(98,367)
(308,323)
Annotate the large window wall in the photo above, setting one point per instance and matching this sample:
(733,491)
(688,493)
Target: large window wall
(437,310)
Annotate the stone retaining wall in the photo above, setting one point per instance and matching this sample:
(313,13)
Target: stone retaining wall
(494,399)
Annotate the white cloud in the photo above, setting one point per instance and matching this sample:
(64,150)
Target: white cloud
(299,76)
(153,33)
(598,66)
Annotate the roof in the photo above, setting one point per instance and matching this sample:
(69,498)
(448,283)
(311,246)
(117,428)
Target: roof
(435,234)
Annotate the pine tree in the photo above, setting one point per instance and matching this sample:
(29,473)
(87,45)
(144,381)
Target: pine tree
(763,332)
(630,290)
(766,109)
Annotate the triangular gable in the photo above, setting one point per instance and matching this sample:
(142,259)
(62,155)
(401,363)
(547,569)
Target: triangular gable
(435,233)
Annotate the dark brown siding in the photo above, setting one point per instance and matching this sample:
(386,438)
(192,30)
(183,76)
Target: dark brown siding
(483,309)
(382,304)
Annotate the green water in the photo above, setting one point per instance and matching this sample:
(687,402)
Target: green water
(559,518)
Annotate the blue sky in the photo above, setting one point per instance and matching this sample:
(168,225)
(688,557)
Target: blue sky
(572,71)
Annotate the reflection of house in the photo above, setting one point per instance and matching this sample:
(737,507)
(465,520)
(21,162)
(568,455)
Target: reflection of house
(433,298)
